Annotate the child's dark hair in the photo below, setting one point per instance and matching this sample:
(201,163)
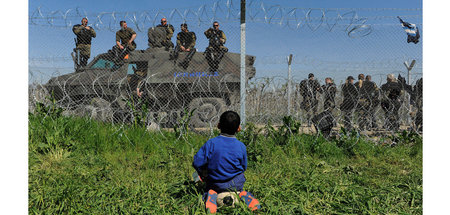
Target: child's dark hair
(229,122)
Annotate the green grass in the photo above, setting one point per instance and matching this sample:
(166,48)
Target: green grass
(88,167)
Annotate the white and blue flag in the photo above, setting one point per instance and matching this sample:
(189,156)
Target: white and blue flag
(411,30)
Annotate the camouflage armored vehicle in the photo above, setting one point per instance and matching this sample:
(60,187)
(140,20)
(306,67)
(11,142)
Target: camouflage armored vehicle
(113,87)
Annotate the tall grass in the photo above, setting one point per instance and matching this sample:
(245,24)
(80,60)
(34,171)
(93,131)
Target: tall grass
(81,166)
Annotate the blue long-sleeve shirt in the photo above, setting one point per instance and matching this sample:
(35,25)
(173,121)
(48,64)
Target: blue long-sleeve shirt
(223,156)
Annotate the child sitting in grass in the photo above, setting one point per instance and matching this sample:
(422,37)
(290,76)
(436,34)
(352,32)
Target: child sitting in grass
(222,161)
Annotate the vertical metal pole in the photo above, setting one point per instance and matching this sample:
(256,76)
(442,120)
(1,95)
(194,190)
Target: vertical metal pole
(409,68)
(289,86)
(243,76)
(78,58)
(409,77)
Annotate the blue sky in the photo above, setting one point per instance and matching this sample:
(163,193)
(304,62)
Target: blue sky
(324,51)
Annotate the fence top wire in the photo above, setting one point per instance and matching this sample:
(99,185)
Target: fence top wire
(225,11)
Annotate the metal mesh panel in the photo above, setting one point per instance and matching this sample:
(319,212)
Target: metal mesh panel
(152,87)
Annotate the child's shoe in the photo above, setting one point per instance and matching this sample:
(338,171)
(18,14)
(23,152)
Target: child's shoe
(251,202)
(211,201)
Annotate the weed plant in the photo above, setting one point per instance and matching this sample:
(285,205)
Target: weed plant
(79,166)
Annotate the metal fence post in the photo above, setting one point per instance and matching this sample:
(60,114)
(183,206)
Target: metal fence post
(409,68)
(243,76)
(289,86)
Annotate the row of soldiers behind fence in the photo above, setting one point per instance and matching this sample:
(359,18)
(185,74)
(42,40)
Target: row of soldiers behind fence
(125,42)
(361,98)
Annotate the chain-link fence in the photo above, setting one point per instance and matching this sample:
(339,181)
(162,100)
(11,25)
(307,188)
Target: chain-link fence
(161,81)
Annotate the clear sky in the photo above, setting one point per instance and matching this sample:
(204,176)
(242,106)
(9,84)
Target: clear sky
(320,47)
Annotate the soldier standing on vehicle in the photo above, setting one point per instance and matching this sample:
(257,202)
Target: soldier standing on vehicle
(350,94)
(308,89)
(125,39)
(368,101)
(329,89)
(83,43)
(185,43)
(390,102)
(167,42)
(216,49)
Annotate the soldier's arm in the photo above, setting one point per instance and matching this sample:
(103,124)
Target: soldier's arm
(132,38)
(178,40)
(77,29)
(118,39)
(194,38)
(224,38)
(93,34)
(170,31)
(208,33)
(319,89)
(133,35)
(355,91)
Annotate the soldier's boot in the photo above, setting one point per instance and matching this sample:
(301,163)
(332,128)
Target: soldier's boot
(211,201)
(188,57)
(250,200)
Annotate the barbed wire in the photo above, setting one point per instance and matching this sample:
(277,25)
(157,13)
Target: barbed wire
(266,60)
(346,19)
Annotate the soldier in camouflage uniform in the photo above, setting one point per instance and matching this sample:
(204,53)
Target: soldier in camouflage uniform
(308,89)
(216,49)
(368,101)
(185,43)
(419,104)
(349,103)
(167,42)
(329,89)
(390,102)
(83,44)
(362,103)
(125,40)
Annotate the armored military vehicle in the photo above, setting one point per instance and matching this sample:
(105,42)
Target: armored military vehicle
(114,87)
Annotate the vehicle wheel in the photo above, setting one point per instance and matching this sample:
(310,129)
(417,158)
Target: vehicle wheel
(207,111)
